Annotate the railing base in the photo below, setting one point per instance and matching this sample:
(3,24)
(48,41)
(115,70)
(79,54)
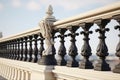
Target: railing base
(117,69)
(47,60)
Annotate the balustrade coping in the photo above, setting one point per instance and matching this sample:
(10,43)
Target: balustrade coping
(60,72)
(103,12)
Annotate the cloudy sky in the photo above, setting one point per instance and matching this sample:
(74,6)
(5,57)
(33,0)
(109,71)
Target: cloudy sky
(20,15)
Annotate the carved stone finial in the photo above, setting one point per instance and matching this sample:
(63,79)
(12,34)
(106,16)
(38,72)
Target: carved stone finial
(49,13)
(49,10)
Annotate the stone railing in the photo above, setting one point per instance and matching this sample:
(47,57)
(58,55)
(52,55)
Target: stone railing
(24,50)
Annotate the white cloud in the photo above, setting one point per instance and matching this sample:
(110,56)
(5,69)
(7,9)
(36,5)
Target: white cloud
(74,4)
(1,6)
(32,5)
(16,3)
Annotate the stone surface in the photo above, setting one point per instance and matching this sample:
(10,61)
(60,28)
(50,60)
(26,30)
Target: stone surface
(1,78)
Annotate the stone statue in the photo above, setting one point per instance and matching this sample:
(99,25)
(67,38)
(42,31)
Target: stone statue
(46,28)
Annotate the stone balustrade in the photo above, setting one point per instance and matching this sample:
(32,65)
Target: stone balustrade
(31,55)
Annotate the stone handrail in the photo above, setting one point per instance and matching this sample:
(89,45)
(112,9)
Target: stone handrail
(25,33)
(103,12)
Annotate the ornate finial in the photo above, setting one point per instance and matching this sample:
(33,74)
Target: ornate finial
(49,13)
(49,10)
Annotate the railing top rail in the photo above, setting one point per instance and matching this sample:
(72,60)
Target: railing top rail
(104,12)
(89,16)
(25,33)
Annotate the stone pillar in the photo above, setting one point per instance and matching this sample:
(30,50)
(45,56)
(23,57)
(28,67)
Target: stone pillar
(47,31)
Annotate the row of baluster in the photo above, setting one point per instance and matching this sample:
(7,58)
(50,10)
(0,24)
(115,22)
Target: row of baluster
(18,48)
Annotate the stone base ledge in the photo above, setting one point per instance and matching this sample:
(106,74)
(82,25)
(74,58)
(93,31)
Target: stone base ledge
(19,69)
(68,73)
(16,70)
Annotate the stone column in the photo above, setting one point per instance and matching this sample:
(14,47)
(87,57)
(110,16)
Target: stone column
(46,29)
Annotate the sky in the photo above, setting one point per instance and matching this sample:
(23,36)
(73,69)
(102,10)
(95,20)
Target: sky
(20,15)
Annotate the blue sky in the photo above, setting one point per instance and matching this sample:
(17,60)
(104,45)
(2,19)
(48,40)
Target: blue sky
(20,15)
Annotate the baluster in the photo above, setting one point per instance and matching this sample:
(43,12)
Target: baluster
(15,50)
(30,49)
(5,49)
(86,49)
(73,49)
(12,49)
(18,49)
(21,51)
(53,48)
(8,51)
(16,43)
(41,49)
(102,50)
(35,50)
(62,49)
(117,67)
(0,50)
(25,50)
